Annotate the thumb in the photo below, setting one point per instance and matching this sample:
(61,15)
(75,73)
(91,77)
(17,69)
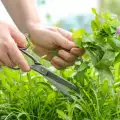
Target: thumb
(18,37)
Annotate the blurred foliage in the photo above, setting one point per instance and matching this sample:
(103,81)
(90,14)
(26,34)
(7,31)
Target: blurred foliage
(41,2)
(74,21)
(110,5)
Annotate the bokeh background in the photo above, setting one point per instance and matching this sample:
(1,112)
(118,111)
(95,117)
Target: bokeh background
(68,14)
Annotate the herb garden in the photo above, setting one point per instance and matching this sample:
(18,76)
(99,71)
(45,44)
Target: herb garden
(29,96)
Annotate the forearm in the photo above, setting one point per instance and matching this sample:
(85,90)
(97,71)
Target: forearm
(23,12)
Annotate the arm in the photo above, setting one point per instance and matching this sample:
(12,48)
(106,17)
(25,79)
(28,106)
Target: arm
(23,13)
(45,39)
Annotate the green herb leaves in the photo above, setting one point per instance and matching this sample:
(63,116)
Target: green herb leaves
(103,45)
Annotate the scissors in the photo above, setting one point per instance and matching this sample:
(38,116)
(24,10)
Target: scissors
(60,83)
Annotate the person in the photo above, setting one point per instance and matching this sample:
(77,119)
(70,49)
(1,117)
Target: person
(45,38)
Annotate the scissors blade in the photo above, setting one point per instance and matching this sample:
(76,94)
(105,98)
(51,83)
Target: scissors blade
(59,86)
(50,75)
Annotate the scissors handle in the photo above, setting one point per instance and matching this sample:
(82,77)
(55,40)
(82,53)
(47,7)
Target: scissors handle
(24,50)
(30,56)
(28,42)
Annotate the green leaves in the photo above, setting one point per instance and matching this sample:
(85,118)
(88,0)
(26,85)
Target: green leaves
(94,11)
(30,97)
(115,43)
(77,36)
(102,45)
(95,23)
(62,115)
(107,60)
(117,59)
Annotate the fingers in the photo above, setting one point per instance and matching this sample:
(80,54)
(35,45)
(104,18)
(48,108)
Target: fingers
(63,42)
(62,38)
(65,33)
(18,37)
(56,66)
(59,63)
(7,61)
(17,57)
(11,56)
(43,51)
(67,56)
(77,51)
(64,59)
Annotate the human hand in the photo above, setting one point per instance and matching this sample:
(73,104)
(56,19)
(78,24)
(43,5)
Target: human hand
(45,39)
(10,39)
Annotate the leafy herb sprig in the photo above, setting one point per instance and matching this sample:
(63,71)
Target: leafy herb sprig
(102,46)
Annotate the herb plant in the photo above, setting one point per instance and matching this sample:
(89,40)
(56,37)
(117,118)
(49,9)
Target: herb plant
(29,96)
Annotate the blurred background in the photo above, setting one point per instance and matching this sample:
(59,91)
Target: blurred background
(69,13)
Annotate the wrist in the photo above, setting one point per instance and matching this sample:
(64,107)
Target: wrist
(32,25)
(34,29)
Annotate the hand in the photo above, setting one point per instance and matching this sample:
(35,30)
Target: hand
(45,39)
(10,39)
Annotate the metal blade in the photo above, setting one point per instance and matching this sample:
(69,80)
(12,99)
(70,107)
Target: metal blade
(42,70)
(59,87)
